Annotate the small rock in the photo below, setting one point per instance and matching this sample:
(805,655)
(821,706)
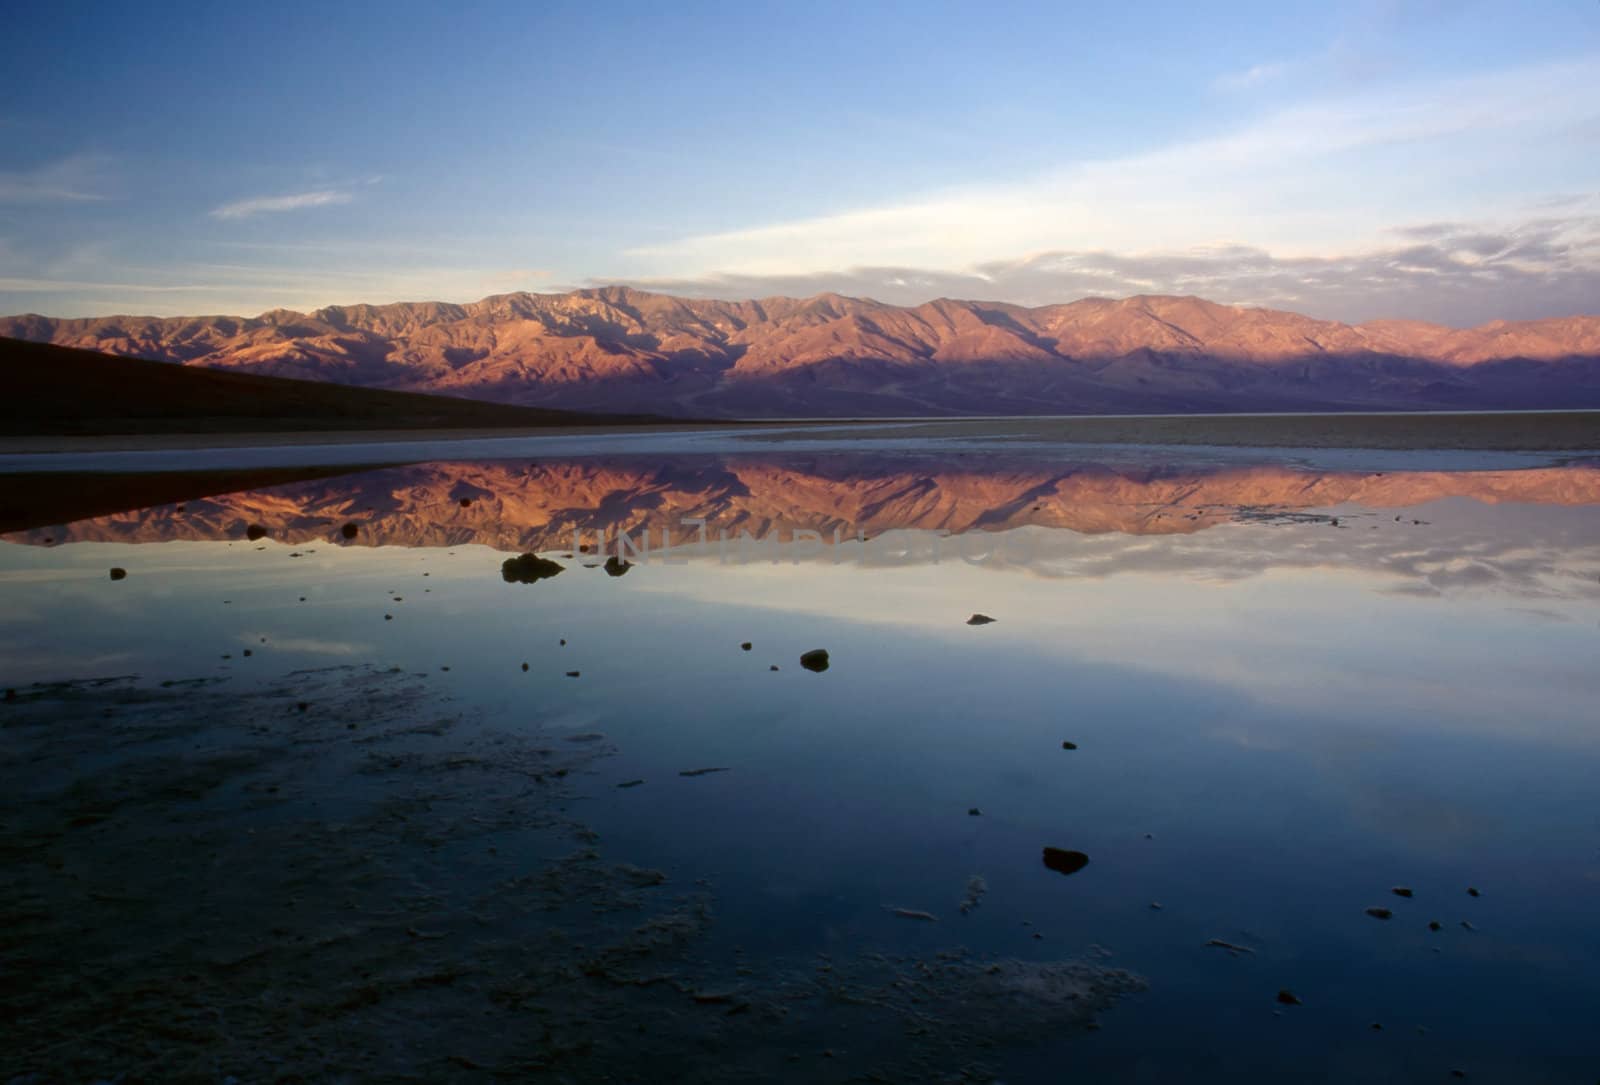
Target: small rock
(574,674)
(466,502)
(615,566)
(702,772)
(1376,1027)
(1063,861)
(247,653)
(1471,892)
(350,531)
(1466,926)
(974,812)
(630,783)
(524,666)
(1435,925)
(1069,745)
(1289,998)
(1379,913)
(773,667)
(254,532)
(118,573)
(746,646)
(979,619)
(1458,1073)
(1155,905)
(815,660)
(388,617)
(1402,891)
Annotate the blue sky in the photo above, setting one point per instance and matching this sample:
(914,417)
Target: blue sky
(1434,160)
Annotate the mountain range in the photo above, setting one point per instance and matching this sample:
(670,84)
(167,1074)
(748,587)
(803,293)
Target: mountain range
(620,349)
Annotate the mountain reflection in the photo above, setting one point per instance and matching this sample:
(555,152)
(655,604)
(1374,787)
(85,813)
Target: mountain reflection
(546,507)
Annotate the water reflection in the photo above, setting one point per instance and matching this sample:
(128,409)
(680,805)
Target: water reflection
(1529,532)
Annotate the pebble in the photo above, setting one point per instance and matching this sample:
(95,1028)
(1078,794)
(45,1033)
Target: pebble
(1379,913)
(1402,891)
(815,660)
(1289,998)
(118,573)
(979,619)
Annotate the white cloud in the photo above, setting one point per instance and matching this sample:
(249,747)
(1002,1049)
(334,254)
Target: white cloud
(1319,179)
(75,179)
(258,205)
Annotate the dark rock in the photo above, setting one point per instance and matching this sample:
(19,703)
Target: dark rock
(702,772)
(254,532)
(974,812)
(388,617)
(1063,861)
(573,674)
(630,783)
(563,642)
(1435,925)
(979,619)
(1069,745)
(1379,913)
(524,666)
(773,667)
(466,502)
(118,573)
(1471,892)
(615,566)
(529,569)
(350,531)
(247,652)
(1402,891)
(1289,998)
(746,646)
(815,660)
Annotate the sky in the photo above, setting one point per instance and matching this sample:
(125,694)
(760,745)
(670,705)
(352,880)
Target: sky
(1434,160)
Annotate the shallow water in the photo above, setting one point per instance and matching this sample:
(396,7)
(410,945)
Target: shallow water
(1290,689)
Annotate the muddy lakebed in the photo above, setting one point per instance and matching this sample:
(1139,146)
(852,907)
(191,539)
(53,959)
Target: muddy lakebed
(1154,765)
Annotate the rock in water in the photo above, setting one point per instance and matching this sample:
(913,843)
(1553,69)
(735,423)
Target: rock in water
(349,531)
(746,646)
(979,619)
(815,660)
(1402,891)
(1289,998)
(118,573)
(1063,861)
(254,532)
(528,569)
(615,566)
(1069,745)
(1379,913)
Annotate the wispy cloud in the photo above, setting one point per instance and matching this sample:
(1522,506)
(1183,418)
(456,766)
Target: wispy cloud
(1251,77)
(1456,273)
(262,205)
(75,179)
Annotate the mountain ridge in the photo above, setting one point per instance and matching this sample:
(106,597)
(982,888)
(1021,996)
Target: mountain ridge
(619,348)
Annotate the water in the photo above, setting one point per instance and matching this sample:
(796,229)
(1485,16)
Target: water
(1291,688)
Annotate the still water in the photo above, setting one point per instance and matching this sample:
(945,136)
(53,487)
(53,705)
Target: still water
(1259,695)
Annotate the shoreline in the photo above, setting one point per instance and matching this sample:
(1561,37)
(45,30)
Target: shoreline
(1573,432)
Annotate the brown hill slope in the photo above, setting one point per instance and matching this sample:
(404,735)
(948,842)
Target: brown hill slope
(618,348)
(59,390)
